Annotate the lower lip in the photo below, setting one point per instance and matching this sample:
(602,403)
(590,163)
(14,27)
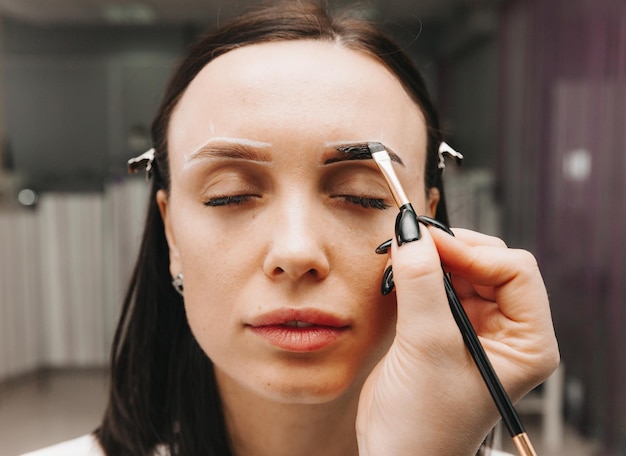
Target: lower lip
(294,339)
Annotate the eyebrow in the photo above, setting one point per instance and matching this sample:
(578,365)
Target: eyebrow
(228,148)
(358,151)
(246,150)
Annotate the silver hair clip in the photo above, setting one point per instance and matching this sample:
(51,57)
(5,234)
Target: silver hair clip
(445,149)
(144,160)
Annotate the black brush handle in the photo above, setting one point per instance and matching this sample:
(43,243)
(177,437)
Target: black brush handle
(503,403)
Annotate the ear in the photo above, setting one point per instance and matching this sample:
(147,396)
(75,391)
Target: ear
(433,200)
(162,199)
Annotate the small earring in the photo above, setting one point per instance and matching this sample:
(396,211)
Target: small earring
(177,282)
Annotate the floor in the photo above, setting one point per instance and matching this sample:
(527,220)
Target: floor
(37,411)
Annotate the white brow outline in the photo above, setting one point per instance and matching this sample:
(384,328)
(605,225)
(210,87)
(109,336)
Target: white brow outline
(229,140)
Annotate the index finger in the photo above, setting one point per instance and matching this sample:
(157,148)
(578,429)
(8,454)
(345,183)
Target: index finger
(513,273)
(475,238)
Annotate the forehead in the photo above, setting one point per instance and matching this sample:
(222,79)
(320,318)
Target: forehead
(312,91)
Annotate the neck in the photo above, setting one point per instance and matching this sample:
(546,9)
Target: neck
(258,426)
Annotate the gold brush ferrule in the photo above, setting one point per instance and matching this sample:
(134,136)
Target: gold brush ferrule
(382,159)
(523,445)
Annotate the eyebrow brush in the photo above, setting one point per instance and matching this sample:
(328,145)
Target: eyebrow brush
(499,395)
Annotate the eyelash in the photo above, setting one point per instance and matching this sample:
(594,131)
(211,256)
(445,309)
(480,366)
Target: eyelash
(367,203)
(230,200)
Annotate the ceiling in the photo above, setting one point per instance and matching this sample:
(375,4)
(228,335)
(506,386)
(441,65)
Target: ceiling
(196,11)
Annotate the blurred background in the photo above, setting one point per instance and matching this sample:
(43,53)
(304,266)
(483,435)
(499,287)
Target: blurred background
(533,92)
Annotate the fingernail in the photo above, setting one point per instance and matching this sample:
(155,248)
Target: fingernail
(407,226)
(436,223)
(384,247)
(387,283)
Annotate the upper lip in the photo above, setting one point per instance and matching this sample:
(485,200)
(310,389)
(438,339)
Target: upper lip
(288,315)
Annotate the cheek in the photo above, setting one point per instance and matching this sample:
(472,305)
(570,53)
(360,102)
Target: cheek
(210,274)
(361,283)
(224,279)
(212,304)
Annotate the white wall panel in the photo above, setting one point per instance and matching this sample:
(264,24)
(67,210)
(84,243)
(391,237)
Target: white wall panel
(63,273)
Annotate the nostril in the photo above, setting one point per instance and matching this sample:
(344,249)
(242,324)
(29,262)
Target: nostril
(313,273)
(296,259)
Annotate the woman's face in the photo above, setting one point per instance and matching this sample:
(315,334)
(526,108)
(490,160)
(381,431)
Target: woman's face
(274,229)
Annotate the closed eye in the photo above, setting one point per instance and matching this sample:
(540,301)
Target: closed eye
(233,200)
(365,202)
(229,200)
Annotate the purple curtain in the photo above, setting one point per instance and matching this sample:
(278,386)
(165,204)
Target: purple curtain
(562,169)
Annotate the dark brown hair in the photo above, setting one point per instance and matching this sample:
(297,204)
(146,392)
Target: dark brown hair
(163,390)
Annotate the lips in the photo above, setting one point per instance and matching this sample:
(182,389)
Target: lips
(299,324)
(299,330)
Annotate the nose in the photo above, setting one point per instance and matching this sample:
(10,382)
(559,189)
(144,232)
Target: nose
(298,248)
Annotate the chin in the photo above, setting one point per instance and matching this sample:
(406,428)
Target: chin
(306,384)
(311,392)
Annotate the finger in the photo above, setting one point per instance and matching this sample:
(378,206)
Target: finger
(466,289)
(421,298)
(482,263)
(513,309)
(513,274)
(475,238)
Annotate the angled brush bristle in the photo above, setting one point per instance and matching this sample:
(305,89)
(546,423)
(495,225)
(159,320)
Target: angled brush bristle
(375,147)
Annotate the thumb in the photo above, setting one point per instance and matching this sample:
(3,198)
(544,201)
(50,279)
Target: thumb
(424,316)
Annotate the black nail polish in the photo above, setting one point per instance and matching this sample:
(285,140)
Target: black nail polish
(387,283)
(384,247)
(407,226)
(436,223)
